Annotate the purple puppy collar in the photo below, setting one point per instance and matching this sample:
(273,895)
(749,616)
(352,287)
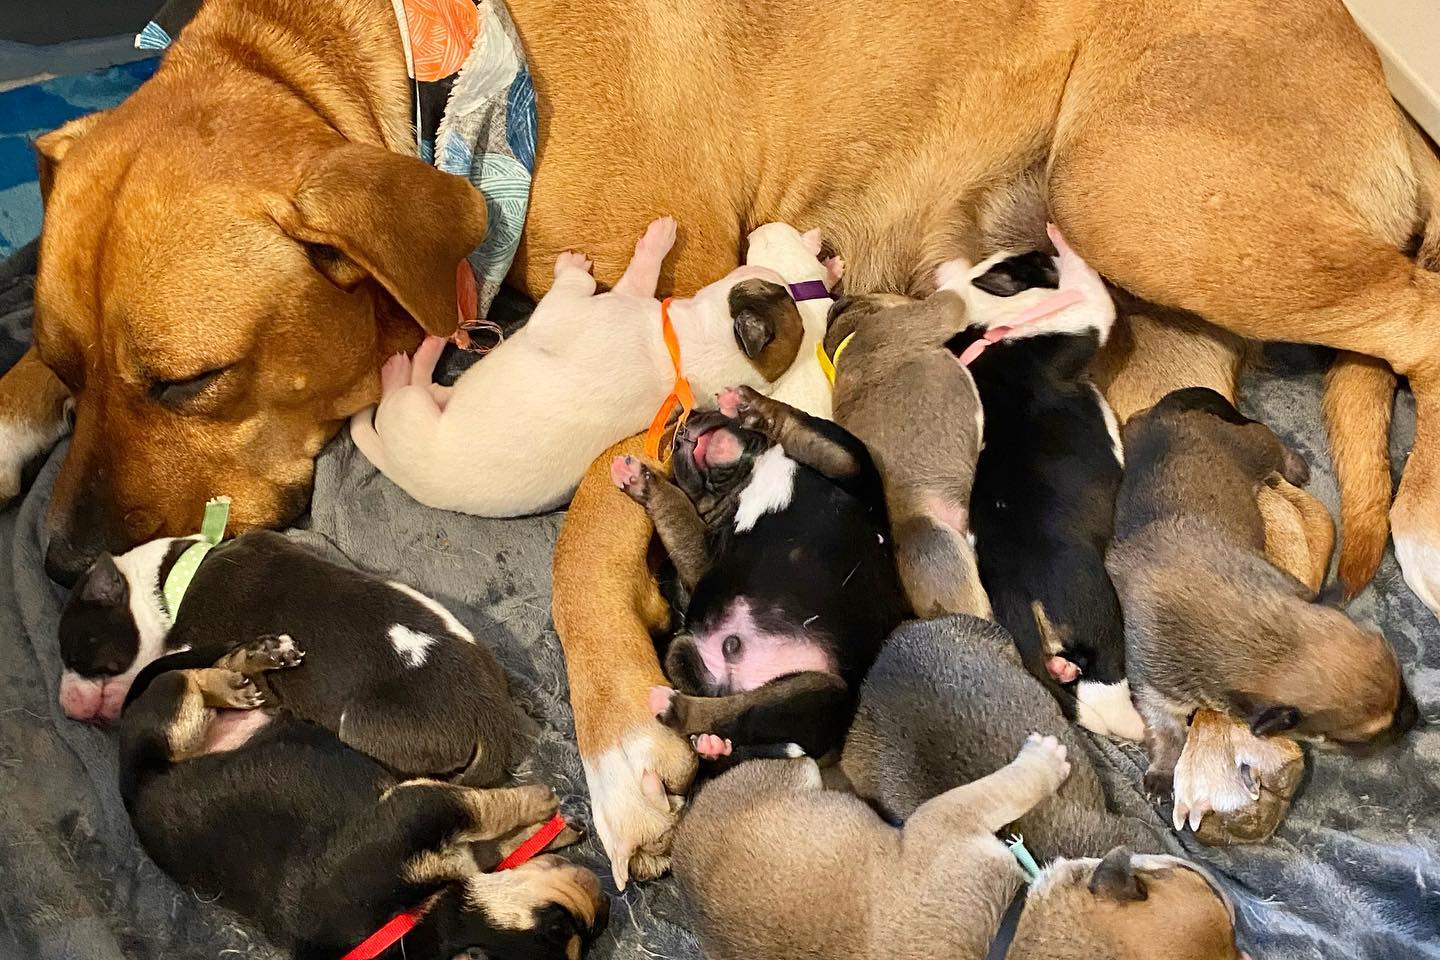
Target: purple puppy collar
(811,290)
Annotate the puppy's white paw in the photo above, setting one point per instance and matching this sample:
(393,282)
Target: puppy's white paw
(658,238)
(637,789)
(571,260)
(1049,753)
(395,374)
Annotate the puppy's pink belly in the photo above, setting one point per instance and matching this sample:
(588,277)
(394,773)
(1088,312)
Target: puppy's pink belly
(762,656)
(788,656)
(233,728)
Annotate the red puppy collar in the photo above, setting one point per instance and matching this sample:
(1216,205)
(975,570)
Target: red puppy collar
(405,921)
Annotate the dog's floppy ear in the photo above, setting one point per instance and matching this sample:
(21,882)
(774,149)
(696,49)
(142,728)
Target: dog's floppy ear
(1115,878)
(1274,719)
(1015,274)
(767,324)
(51,148)
(369,214)
(104,584)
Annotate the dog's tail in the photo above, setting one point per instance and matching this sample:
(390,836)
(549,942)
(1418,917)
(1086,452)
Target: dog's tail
(1359,394)
(363,432)
(937,569)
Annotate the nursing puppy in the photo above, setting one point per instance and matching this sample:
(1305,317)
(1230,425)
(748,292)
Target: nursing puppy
(390,671)
(894,376)
(321,845)
(776,526)
(1209,621)
(517,430)
(775,867)
(1042,503)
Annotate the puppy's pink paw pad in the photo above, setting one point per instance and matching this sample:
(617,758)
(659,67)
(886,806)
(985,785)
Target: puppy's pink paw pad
(660,699)
(728,400)
(571,260)
(659,237)
(395,374)
(624,471)
(1062,670)
(712,747)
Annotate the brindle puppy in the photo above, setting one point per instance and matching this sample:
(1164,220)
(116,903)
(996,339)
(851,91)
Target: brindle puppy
(1209,621)
(777,527)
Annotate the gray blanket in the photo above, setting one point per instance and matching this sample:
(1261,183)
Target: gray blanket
(1354,872)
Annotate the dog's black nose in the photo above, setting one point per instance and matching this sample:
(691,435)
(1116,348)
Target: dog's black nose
(65,561)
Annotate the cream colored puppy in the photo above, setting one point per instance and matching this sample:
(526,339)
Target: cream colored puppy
(517,430)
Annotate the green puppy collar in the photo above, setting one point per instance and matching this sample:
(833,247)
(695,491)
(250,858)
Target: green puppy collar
(1016,843)
(212,528)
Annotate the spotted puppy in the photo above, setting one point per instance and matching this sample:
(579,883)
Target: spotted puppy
(1209,621)
(321,845)
(390,671)
(776,525)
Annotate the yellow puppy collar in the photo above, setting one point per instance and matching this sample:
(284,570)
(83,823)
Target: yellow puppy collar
(827,364)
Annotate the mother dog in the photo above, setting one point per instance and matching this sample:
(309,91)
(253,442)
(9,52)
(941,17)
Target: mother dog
(228,255)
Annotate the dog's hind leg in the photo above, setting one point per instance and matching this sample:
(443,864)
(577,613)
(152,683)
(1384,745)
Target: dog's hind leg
(1289,224)
(810,709)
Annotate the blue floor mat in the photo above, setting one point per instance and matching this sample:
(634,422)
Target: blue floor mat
(27,112)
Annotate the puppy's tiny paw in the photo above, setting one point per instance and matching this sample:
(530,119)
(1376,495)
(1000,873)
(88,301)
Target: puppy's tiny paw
(534,803)
(395,374)
(662,703)
(658,238)
(1159,784)
(240,693)
(834,269)
(1062,670)
(1048,750)
(571,260)
(711,747)
(271,652)
(728,401)
(1295,469)
(632,476)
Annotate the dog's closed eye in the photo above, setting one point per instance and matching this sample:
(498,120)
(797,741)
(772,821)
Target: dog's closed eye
(174,393)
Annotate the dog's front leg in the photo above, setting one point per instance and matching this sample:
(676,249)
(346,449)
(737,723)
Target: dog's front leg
(32,419)
(993,801)
(606,608)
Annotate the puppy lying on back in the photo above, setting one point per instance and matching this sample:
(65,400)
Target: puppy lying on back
(1209,622)
(776,526)
(390,671)
(1042,504)
(517,430)
(320,844)
(777,868)
(899,389)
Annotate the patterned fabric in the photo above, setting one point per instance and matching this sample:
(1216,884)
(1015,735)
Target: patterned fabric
(474,109)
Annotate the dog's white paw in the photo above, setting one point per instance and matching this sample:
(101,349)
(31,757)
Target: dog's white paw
(21,443)
(637,789)
(1048,752)
(1417,547)
(571,260)
(657,240)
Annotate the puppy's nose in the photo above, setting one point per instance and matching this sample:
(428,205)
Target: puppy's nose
(65,560)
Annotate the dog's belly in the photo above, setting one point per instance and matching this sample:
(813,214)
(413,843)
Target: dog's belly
(232,729)
(756,654)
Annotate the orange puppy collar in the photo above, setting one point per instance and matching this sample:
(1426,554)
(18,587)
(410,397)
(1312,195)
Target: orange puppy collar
(680,396)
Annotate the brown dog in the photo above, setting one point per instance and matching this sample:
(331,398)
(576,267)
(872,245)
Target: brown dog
(218,312)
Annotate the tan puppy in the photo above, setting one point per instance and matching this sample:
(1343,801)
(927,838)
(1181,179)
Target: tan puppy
(775,867)
(1232,786)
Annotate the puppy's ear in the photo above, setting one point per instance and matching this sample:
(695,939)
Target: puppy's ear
(366,214)
(1115,878)
(52,147)
(1015,274)
(104,584)
(767,324)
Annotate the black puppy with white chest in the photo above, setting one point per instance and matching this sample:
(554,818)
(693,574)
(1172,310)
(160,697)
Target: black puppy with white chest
(777,527)
(1043,501)
(321,845)
(389,670)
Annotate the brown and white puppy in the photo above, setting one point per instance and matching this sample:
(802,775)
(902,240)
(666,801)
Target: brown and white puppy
(1209,622)
(900,390)
(775,867)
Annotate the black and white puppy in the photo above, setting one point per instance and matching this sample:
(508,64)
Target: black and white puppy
(1042,505)
(321,845)
(777,527)
(390,671)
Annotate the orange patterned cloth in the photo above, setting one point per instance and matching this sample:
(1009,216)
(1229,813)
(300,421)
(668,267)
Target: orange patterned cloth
(442,34)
